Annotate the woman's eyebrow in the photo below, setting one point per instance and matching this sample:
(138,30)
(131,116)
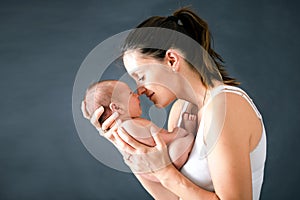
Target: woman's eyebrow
(134,74)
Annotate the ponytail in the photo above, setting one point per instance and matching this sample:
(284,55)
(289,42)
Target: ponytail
(187,22)
(197,28)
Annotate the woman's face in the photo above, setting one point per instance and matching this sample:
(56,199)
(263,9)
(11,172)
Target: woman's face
(151,77)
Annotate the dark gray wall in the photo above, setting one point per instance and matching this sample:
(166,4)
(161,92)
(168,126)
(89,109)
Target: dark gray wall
(42,45)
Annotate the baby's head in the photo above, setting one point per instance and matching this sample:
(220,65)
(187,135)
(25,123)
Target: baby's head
(114,96)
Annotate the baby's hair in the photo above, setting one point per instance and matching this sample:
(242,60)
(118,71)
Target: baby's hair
(100,94)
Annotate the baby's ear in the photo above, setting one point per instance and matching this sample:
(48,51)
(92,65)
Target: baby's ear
(116,108)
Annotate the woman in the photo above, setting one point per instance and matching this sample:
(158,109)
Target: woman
(231,132)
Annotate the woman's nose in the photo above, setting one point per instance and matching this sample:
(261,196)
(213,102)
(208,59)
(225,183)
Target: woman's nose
(141,90)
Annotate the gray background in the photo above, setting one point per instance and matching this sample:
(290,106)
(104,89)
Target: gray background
(43,44)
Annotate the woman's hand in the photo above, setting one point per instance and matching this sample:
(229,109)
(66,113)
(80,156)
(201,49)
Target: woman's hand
(139,157)
(109,126)
(142,158)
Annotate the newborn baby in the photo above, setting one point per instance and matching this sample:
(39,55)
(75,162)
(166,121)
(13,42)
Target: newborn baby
(116,96)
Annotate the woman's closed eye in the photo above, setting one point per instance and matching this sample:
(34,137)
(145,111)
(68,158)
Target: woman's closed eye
(142,78)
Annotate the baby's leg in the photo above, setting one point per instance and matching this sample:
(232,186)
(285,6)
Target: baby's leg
(189,122)
(180,149)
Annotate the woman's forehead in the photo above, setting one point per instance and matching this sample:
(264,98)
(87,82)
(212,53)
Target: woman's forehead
(131,60)
(134,61)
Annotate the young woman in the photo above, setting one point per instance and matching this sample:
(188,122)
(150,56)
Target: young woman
(228,156)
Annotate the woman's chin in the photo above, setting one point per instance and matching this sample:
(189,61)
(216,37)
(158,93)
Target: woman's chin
(160,105)
(136,114)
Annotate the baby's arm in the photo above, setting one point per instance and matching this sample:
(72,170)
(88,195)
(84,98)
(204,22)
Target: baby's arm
(139,128)
(180,147)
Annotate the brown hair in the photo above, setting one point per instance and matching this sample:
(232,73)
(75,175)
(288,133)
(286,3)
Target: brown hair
(187,22)
(100,94)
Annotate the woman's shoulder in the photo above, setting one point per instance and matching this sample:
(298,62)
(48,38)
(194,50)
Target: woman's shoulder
(235,117)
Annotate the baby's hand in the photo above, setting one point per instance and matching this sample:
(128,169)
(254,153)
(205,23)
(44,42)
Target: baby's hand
(189,122)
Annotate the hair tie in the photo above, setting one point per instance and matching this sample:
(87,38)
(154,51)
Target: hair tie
(175,19)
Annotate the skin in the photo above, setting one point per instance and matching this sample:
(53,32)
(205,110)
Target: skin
(229,161)
(125,102)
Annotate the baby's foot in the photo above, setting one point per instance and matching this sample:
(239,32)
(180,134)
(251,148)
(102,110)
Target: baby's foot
(189,122)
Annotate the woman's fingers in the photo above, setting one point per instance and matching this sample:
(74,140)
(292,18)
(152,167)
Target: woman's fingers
(96,115)
(122,133)
(109,122)
(84,111)
(122,145)
(110,134)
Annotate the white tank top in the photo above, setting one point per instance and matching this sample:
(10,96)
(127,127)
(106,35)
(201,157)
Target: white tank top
(196,168)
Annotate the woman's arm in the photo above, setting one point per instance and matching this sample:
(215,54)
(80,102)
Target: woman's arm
(229,161)
(156,190)
(174,181)
(155,160)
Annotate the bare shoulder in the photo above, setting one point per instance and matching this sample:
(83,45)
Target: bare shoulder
(229,159)
(175,113)
(244,120)
(235,117)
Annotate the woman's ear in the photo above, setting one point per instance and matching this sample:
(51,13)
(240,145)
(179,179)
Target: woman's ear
(172,57)
(116,108)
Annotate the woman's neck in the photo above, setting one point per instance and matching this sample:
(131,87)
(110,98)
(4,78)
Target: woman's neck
(193,90)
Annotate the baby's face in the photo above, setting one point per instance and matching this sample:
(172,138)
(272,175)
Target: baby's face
(128,99)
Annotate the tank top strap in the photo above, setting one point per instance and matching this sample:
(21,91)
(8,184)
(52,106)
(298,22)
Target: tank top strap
(236,90)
